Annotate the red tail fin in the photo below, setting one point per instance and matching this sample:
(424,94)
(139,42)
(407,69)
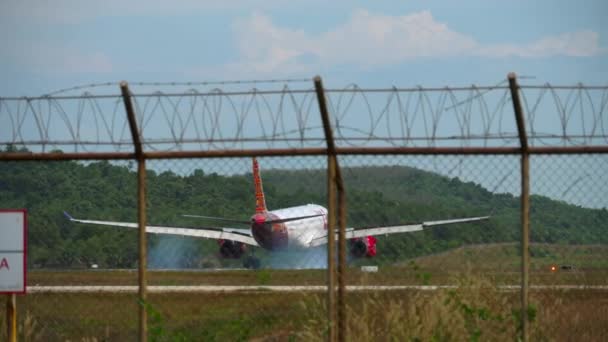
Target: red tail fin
(260,202)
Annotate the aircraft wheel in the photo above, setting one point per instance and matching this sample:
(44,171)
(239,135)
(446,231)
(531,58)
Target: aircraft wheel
(252,263)
(255,263)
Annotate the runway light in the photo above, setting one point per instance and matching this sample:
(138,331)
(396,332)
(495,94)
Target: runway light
(553,268)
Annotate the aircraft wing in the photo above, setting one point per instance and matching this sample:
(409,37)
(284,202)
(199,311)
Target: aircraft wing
(217,233)
(356,233)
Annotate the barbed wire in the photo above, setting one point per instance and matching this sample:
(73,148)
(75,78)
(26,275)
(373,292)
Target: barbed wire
(286,117)
(187,84)
(217,91)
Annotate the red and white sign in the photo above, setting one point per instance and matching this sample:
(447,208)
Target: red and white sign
(13,252)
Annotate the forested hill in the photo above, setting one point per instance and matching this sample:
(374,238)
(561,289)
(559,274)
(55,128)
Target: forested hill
(397,194)
(376,196)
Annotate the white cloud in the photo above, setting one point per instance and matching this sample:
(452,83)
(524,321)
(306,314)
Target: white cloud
(379,39)
(368,39)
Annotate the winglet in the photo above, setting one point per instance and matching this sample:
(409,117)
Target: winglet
(260,201)
(69,217)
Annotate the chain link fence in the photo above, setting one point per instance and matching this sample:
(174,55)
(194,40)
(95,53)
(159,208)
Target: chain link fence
(406,156)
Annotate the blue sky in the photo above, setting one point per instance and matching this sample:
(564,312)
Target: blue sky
(49,45)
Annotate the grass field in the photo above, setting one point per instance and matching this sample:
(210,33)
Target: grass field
(475,310)
(559,315)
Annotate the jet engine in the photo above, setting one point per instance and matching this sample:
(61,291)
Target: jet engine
(231,249)
(362,247)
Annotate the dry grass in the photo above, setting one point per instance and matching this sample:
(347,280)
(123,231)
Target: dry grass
(475,311)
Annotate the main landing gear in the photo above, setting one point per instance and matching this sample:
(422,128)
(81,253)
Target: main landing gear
(251,262)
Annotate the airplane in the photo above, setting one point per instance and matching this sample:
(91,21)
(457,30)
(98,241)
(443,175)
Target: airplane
(298,227)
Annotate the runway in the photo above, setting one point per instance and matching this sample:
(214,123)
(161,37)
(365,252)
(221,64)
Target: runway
(280,288)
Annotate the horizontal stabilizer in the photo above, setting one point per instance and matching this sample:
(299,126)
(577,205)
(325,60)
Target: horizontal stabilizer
(218,219)
(289,219)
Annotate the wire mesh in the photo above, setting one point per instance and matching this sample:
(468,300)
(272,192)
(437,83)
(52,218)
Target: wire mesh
(426,276)
(63,256)
(568,218)
(232,290)
(569,245)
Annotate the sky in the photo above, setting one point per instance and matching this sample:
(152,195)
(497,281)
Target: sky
(50,45)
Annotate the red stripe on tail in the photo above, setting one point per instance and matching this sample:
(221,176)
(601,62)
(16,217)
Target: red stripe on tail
(260,201)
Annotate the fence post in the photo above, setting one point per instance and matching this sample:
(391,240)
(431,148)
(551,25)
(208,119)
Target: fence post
(141,210)
(334,181)
(525,204)
(11,317)
(341,255)
(331,211)
(331,248)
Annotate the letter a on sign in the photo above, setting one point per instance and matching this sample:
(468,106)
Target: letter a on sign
(4,264)
(13,250)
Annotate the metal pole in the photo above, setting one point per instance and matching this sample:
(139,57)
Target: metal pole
(331,208)
(331,248)
(135,135)
(11,317)
(141,217)
(341,255)
(141,210)
(525,238)
(525,205)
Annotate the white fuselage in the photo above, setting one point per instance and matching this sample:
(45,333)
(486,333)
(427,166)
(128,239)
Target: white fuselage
(301,232)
